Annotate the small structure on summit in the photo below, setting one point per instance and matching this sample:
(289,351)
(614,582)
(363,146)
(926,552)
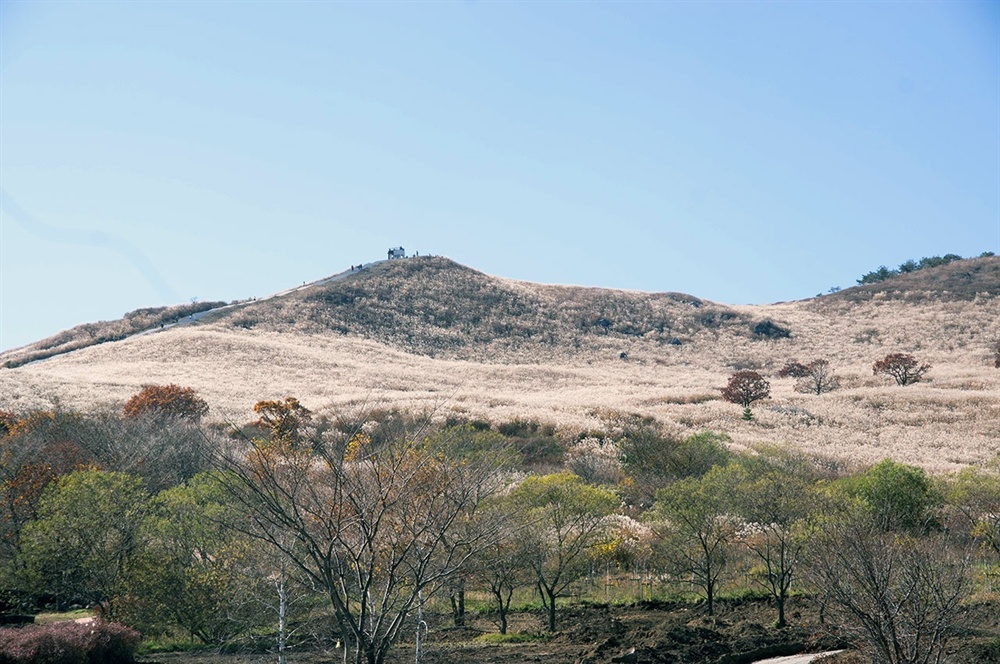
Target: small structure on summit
(397,252)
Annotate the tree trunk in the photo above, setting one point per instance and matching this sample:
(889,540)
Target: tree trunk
(457,597)
(501,608)
(552,610)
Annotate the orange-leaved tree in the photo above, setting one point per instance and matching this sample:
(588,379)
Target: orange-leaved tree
(283,420)
(171,400)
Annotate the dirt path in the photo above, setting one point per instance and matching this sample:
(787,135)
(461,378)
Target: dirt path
(797,659)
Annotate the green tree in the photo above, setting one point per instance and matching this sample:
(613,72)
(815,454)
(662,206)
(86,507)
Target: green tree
(652,460)
(898,496)
(566,518)
(881,274)
(774,506)
(196,570)
(691,516)
(975,494)
(85,537)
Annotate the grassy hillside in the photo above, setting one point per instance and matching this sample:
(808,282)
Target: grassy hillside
(436,307)
(431,334)
(91,334)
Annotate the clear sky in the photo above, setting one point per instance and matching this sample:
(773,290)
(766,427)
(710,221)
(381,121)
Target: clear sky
(743,152)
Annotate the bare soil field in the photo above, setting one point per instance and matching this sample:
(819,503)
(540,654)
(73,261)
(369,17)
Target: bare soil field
(741,633)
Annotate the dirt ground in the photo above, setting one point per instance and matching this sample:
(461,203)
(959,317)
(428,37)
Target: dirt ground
(661,633)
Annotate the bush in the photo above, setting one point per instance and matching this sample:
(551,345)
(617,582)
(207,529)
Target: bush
(771,330)
(68,643)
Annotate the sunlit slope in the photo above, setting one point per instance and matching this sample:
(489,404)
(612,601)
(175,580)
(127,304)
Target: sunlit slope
(429,333)
(438,308)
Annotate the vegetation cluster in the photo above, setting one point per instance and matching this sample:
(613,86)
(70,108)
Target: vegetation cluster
(883,273)
(91,334)
(296,530)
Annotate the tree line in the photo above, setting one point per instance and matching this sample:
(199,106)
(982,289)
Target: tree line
(295,528)
(883,273)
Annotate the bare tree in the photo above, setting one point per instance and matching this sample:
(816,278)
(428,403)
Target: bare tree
(905,369)
(373,524)
(773,505)
(505,566)
(899,595)
(816,376)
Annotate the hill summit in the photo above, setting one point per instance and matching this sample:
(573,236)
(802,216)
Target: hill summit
(436,307)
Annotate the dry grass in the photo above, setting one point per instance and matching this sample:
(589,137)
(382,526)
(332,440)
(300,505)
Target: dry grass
(500,350)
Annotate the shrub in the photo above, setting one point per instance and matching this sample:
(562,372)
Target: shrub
(596,460)
(518,428)
(771,330)
(68,643)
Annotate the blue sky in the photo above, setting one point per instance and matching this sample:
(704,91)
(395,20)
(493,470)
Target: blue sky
(151,153)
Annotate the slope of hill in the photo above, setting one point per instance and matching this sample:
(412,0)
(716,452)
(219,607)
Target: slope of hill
(961,280)
(91,334)
(428,333)
(438,308)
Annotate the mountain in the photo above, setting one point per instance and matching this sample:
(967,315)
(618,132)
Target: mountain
(429,333)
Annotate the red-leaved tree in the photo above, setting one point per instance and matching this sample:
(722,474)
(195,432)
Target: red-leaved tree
(905,369)
(744,388)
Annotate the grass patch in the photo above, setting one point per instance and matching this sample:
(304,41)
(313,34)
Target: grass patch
(161,644)
(54,617)
(743,595)
(515,637)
